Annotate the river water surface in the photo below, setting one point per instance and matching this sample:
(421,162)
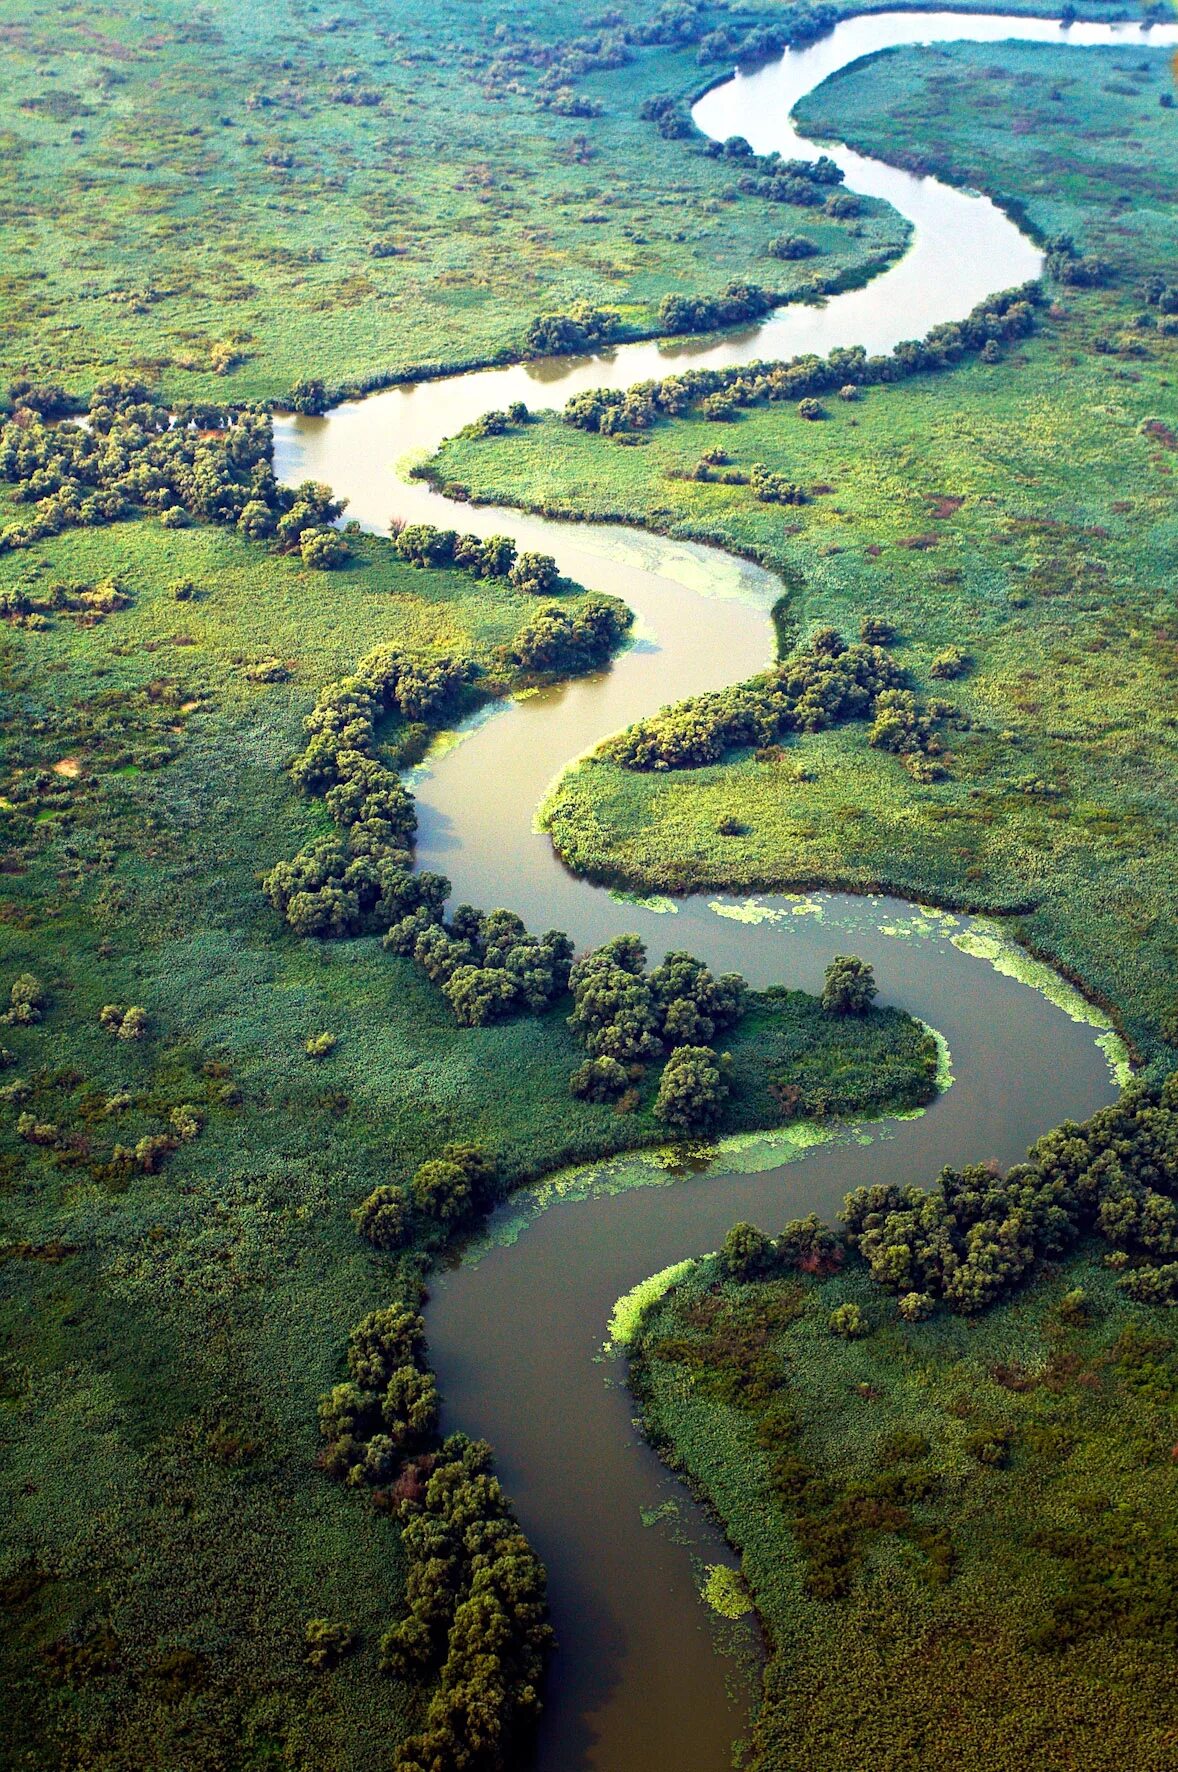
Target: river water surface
(637,1684)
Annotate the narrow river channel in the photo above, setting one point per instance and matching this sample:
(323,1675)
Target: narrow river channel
(637,1684)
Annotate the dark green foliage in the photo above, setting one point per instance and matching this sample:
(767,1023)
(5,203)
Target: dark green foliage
(362,880)
(477,1619)
(978,1234)
(735,305)
(614,1009)
(1152,1285)
(849,987)
(424,545)
(815,688)
(748,1254)
(583,328)
(622,1012)
(327,1644)
(819,686)
(692,1090)
(459,1185)
(774,489)
(792,246)
(476,1626)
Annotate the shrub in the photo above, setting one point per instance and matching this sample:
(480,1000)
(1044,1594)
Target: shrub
(319,1045)
(534,574)
(442,1192)
(948,663)
(26,1001)
(916,1307)
(810,1246)
(598,1079)
(326,1644)
(322,549)
(811,409)
(849,986)
(792,246)
(847,1320)
(383,1218)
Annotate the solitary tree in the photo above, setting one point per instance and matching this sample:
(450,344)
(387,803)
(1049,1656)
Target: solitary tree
(849,986)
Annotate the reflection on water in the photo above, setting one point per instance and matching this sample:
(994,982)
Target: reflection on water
(638,1686)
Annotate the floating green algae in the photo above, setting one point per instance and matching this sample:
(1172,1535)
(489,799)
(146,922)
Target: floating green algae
(632,1306)
(754,910)
(988,941)
(657,902)
(725,1592)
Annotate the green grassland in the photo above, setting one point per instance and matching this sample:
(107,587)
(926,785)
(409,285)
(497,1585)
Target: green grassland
(988,1500)
(1021,510)
(166,1334)
(198,194)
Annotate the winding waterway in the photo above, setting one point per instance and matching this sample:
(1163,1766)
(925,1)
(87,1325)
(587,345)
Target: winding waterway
(515,1334)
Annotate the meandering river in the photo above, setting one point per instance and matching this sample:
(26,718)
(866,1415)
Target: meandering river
(637,1684)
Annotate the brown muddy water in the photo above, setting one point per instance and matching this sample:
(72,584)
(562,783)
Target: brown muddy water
(516,1331)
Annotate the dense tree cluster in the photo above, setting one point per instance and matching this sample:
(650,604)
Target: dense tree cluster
(564,641)
(669,113)
(793,29)
(822,684)
(1159,294)
(772,488)
(424,545)
(627,1017)
(1071,267)
(583,328)
(133,454)
(623,1012)
(363,879)
(387,1408)
(478,1613)
(806,183)
(599,1079)
(612,411)
(486,964)
(476,1623)
(791,247)
(806,1245)
(445,1193)
(977,1234)
(736,304)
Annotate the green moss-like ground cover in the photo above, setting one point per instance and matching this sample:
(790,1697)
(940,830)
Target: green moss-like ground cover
(166,1334)
(1022,510)
(992,1614)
